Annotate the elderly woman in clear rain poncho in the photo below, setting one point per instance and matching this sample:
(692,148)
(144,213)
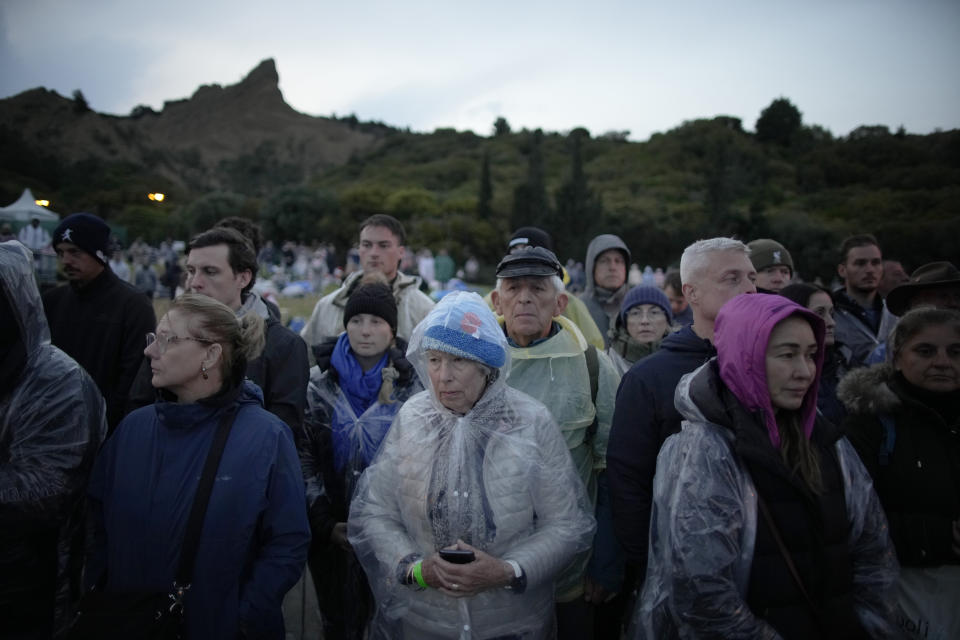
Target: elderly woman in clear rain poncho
(473,465)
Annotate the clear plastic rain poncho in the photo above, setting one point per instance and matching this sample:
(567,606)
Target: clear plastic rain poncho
(703,525)
(498,477)
(555,372)
(354,438)
(52,420)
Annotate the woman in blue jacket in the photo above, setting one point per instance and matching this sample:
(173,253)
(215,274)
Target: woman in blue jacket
(255,535)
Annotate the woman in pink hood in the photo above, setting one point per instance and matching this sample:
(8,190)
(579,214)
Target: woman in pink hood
(765,523)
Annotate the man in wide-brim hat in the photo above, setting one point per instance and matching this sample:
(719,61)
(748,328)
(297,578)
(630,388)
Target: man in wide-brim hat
(936,284)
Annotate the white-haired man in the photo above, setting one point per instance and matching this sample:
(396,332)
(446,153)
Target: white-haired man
(552,361)
(712,272)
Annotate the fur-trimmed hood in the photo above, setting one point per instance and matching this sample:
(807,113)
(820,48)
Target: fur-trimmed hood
(868,390)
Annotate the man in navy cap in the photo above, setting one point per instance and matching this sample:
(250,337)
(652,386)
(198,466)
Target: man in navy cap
(575,310)
(554,363)
(96,318)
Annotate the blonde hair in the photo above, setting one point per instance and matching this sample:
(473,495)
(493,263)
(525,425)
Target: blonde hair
(241,339)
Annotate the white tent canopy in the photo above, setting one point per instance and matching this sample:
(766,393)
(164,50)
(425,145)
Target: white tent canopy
(26,209)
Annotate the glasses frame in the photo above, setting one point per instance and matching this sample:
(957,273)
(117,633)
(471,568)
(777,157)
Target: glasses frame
(164,340)
(651,314)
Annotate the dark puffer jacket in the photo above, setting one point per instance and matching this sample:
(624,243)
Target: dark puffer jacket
(918,479)
(255,535)
(645,416)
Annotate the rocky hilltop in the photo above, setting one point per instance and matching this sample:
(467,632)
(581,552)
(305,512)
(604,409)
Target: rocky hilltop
(216,139)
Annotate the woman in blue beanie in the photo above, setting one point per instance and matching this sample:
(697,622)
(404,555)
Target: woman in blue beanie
(645,320)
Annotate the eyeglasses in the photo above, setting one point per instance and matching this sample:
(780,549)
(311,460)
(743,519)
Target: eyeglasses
(164,339)
(654,313)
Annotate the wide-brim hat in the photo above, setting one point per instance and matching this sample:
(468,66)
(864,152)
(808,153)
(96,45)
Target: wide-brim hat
(531,261)
(934,275)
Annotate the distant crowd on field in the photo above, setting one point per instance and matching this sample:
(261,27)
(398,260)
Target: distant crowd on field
(714,450)
(293,269)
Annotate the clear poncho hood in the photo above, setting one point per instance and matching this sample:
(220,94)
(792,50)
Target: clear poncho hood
(16,271)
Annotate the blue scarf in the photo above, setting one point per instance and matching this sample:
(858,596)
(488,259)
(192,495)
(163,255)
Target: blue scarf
(360,388)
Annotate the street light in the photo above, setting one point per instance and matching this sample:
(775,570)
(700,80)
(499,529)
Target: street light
(157,197)
(42,203)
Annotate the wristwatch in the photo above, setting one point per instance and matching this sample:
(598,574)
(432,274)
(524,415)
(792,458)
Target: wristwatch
(519,582)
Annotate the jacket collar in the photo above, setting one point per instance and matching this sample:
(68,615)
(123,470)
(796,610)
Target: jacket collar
(100,283)
(184,416)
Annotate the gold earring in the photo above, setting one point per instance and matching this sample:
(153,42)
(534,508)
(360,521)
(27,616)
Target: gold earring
(203,371)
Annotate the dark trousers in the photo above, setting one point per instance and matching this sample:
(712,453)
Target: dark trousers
(575,620)
(581,620)
(346,604)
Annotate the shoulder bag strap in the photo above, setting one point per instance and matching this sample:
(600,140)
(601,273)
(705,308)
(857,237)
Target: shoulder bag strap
(191,539)
(785,553)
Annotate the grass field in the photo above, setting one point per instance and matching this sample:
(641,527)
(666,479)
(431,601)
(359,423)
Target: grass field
(293,307)
(289,307)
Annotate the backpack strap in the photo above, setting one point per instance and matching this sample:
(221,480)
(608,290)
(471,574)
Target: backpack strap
(593,369)
(889,438)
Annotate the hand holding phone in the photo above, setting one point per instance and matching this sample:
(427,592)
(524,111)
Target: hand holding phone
(457,556)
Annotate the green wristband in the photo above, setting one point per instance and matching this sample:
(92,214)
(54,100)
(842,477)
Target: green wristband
(418,574)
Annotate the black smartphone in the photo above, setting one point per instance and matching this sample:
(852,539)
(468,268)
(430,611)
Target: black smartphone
(457,556)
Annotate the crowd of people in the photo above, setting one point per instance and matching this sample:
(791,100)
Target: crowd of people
(718,450)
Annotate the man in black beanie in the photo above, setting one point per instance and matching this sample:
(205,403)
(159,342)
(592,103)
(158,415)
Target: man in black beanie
(96,318)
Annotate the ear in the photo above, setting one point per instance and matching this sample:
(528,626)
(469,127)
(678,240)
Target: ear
(842,271)
(214,355)
(245,277)
(495,299)
(562,301)
(690,293)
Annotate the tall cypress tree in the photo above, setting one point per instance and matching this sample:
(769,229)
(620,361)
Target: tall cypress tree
(578,208)
(485,197)
(530,204)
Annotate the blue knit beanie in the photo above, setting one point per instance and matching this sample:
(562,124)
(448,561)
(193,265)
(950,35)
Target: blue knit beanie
(645,295)
(463,325)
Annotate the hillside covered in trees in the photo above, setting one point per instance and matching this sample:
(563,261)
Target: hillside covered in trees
(312,179)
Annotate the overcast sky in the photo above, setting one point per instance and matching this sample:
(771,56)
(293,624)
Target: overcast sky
(642,66)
